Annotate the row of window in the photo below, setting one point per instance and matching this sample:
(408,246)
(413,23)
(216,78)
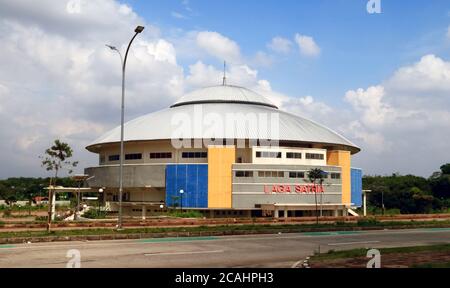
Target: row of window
(194,154)
(289,155)
(280,174)
(161,155)
(158,155)
(271,174)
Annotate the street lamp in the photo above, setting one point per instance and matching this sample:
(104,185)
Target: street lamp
(181,193)
(138,30)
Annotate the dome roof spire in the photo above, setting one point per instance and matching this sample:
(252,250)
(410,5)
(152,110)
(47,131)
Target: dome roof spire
(224,82)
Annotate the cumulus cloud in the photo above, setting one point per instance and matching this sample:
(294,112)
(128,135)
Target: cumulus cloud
(307,45)
(280,45)
(218,46)
(404,119)
(57,80)
(66,83)
(370,104)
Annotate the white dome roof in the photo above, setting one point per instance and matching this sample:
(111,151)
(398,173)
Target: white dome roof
(221,102)
(223,94)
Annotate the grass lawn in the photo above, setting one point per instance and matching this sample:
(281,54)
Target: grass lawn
(432,256)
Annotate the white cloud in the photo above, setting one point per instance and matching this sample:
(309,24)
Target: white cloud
(162,51)
(404,119)
(261,59)
(66,83)
(430,73)
(178,15)
(307,45)
(370,104)
(280,45)
(218,46)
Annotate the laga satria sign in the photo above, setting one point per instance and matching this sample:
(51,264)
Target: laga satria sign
(298,188)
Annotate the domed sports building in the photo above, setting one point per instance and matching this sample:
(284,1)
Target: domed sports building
(230,152)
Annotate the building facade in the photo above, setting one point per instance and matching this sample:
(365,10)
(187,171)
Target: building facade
(232,153)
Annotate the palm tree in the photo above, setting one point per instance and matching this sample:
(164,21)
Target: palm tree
(315,176)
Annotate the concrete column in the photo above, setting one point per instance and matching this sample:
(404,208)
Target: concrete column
(53,205)
(285,213)
(336,213)
(276,214)
(144,211)
(364,203)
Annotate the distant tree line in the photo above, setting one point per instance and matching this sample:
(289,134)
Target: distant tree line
(410,194)
(25,189)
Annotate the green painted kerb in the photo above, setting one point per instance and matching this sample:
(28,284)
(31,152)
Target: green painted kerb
(331,233)
(6,246)
(177,239)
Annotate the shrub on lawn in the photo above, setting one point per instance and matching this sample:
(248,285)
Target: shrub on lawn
(95,214)
(368,222)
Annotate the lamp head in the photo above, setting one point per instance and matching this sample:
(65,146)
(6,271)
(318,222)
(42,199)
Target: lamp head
(111,47)
(139,29)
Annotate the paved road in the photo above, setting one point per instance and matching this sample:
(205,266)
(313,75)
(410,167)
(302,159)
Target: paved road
(282,250)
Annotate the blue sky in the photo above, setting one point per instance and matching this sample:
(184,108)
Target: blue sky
(381,80)
(358,49)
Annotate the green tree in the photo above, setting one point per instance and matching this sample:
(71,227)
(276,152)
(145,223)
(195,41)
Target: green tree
(56,158)
(440,183)
(445,169)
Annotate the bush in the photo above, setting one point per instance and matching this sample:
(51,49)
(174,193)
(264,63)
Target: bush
(95,214)
(187,214)
(368,222)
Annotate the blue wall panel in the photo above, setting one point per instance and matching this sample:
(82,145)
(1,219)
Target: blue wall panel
(193,179)
(356,182)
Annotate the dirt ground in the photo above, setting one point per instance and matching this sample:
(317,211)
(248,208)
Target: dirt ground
(392,260)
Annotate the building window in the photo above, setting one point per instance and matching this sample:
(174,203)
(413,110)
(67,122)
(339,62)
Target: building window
(244,174)
(271,174)
(335,175)
(268,154)
(194,155)
(102,159)
(134,156)
(293,155)
(315,156)
(296,174)
(161,155)
(113,157)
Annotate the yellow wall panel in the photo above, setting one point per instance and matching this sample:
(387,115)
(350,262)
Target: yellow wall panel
(220,161)
(342,159)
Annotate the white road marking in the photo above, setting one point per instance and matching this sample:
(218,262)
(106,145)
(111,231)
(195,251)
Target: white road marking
(351,243)
(183,253)
(297,263)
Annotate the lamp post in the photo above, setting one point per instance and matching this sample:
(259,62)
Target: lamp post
(138,30)
(181,193)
